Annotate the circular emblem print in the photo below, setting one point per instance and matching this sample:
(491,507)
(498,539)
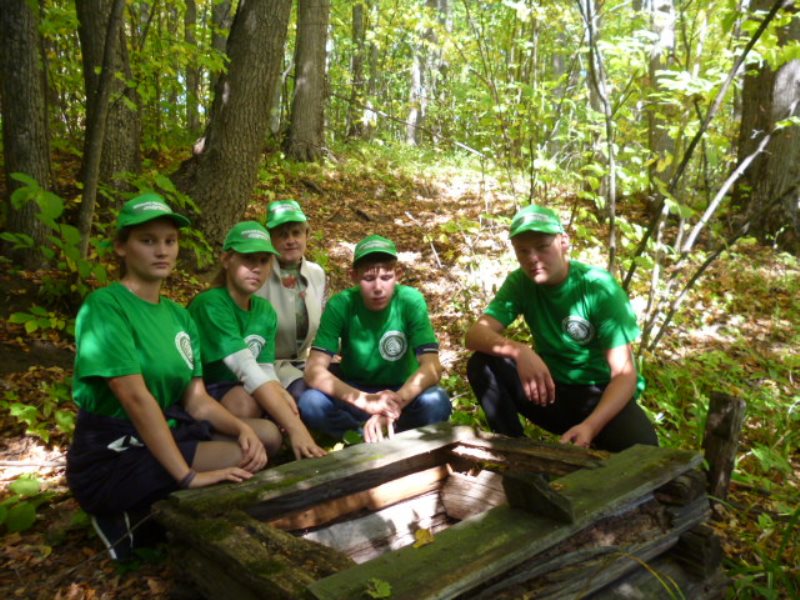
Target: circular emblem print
(393,345)
(579,329)
(255,343)
(184,344)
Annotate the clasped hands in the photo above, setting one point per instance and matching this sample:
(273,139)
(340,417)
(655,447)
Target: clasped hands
(385,408)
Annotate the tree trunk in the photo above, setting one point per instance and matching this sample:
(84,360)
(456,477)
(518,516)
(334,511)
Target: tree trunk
(355,109)
(662,146)
(192,70)
(222,173)
(421,81)
(307,127)
(26,147)
(220,27)
(96,127)
(768,97)
(123,125)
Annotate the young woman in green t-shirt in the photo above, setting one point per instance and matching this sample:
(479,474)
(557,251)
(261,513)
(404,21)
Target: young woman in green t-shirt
(145,423)
(237,336)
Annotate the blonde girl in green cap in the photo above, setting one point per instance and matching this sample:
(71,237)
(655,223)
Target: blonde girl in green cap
(237,333)
(145,422)
(296,289)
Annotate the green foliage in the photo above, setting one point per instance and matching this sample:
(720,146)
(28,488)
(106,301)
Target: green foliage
(773,576)
(18,511)
(40,319)
(378,588)
(51,408)
(62,248)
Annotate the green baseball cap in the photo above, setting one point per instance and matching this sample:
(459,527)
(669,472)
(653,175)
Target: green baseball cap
(536,218)
(284,211)
(147,207)
(248,237)
(374,244)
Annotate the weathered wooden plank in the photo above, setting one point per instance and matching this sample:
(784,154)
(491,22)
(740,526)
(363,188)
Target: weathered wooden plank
(465,495)
(723,428)
(300,483)
(579,573)
(503,537)
(624,476)
(603,553)
(370,536)
(699,550)
(458,558)
(684,489)
(374,499)
(528,455)
(532,491)
(264,562)
(658,580)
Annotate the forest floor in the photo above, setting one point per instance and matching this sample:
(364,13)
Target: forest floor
(449,249)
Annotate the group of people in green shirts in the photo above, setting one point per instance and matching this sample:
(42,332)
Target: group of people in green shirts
(173,398)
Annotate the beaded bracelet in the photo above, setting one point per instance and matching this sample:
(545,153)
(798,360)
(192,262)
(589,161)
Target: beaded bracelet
(187,480)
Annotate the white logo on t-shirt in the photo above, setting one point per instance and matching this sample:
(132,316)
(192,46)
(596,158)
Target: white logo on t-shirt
(578,328)
(393,345)
(255,343)
(184,344)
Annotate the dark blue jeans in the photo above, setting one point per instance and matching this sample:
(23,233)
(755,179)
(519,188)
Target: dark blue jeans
(497,386)
(334,417)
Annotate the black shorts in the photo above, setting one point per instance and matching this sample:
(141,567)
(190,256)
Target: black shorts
(109,470)
(218,390)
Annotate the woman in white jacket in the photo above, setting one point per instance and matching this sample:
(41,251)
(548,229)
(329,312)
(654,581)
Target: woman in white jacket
(296,289)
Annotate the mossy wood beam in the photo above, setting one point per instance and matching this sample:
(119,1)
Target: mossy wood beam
(237,558)
(504,537)
(273,492)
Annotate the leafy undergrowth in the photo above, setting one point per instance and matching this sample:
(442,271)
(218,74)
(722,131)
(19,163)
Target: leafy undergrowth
(737,334)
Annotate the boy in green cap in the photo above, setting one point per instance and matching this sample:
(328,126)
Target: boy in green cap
(581,381)
(390,366)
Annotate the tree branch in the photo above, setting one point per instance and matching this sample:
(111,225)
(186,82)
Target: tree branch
(700,133)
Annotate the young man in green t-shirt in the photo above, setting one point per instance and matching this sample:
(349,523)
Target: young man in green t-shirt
(580,381)
(390,368)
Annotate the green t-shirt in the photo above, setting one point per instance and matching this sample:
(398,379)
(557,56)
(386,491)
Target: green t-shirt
(378,347)
(572,323)
(226,329)
(117,333)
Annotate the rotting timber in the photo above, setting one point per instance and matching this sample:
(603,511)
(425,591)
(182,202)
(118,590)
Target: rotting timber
(446,512)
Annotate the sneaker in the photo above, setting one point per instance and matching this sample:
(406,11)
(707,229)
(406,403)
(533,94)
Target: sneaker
(115,531)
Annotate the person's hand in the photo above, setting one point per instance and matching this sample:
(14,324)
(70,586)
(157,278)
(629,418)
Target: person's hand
(303,445)
(373,428)
(580,435)
(386,403)
(536,381)
(206,478)
(254,456)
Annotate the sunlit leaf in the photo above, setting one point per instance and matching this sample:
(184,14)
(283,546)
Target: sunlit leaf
(25,486)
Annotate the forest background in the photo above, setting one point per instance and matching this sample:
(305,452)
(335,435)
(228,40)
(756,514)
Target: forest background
(665,132)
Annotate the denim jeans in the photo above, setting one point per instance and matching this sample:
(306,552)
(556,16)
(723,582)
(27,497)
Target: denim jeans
(334,417)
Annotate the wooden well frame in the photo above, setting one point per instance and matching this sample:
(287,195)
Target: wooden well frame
(560,532)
